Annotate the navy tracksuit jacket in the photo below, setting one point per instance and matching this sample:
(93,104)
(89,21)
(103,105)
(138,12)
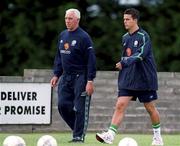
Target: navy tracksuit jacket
(75,63)
(138,65)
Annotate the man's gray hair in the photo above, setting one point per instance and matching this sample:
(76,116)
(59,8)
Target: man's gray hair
(75,11)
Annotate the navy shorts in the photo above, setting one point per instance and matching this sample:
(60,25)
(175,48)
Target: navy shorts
(143,96)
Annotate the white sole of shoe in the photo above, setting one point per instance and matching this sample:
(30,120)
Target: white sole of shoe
(100,139)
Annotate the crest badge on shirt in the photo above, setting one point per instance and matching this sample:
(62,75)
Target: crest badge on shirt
(66,46)
(135,43)
(73,43)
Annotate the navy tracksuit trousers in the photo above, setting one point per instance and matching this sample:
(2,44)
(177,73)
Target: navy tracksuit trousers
(73,103)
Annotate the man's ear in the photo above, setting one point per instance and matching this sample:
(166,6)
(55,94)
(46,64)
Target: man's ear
(136,20)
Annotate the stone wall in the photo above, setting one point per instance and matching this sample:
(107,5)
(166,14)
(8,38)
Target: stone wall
(103,101)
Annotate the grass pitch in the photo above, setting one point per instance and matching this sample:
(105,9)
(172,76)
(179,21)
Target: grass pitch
(63,138)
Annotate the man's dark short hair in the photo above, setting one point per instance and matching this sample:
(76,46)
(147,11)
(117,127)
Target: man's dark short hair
(133,12)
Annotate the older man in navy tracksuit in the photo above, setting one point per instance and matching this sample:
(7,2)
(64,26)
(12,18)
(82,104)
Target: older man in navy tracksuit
(137,78)
(75,65)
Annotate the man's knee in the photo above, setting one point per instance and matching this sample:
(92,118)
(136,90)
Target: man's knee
(122,103)
(150,108)
(120,106)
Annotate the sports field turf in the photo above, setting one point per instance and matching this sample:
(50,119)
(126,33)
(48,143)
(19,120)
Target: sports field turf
(63,138)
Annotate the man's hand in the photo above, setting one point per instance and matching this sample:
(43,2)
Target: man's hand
(54,81)
(118,65)
(89,88)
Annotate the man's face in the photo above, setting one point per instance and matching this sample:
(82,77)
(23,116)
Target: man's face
(129,22)
(71,21)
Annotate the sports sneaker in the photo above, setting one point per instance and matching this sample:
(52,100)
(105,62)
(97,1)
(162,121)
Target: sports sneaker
(77,140)
(105,137)
(157,141)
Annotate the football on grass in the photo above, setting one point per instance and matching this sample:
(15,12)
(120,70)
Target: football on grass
(47,140)
(14,141)
(127,141)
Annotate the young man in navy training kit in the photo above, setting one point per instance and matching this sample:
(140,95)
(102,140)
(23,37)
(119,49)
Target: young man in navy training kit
(137,78)
(74,67)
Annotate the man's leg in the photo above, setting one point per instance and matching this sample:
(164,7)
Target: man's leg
(81,108)
(65,101)
(155,119)
(121,105)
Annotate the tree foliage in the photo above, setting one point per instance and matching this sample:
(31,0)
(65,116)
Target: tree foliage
(29,31)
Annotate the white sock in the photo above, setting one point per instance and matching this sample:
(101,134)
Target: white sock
(157,132)
(112,132)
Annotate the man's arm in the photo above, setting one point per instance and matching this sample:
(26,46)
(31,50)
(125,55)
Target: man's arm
(91,66)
